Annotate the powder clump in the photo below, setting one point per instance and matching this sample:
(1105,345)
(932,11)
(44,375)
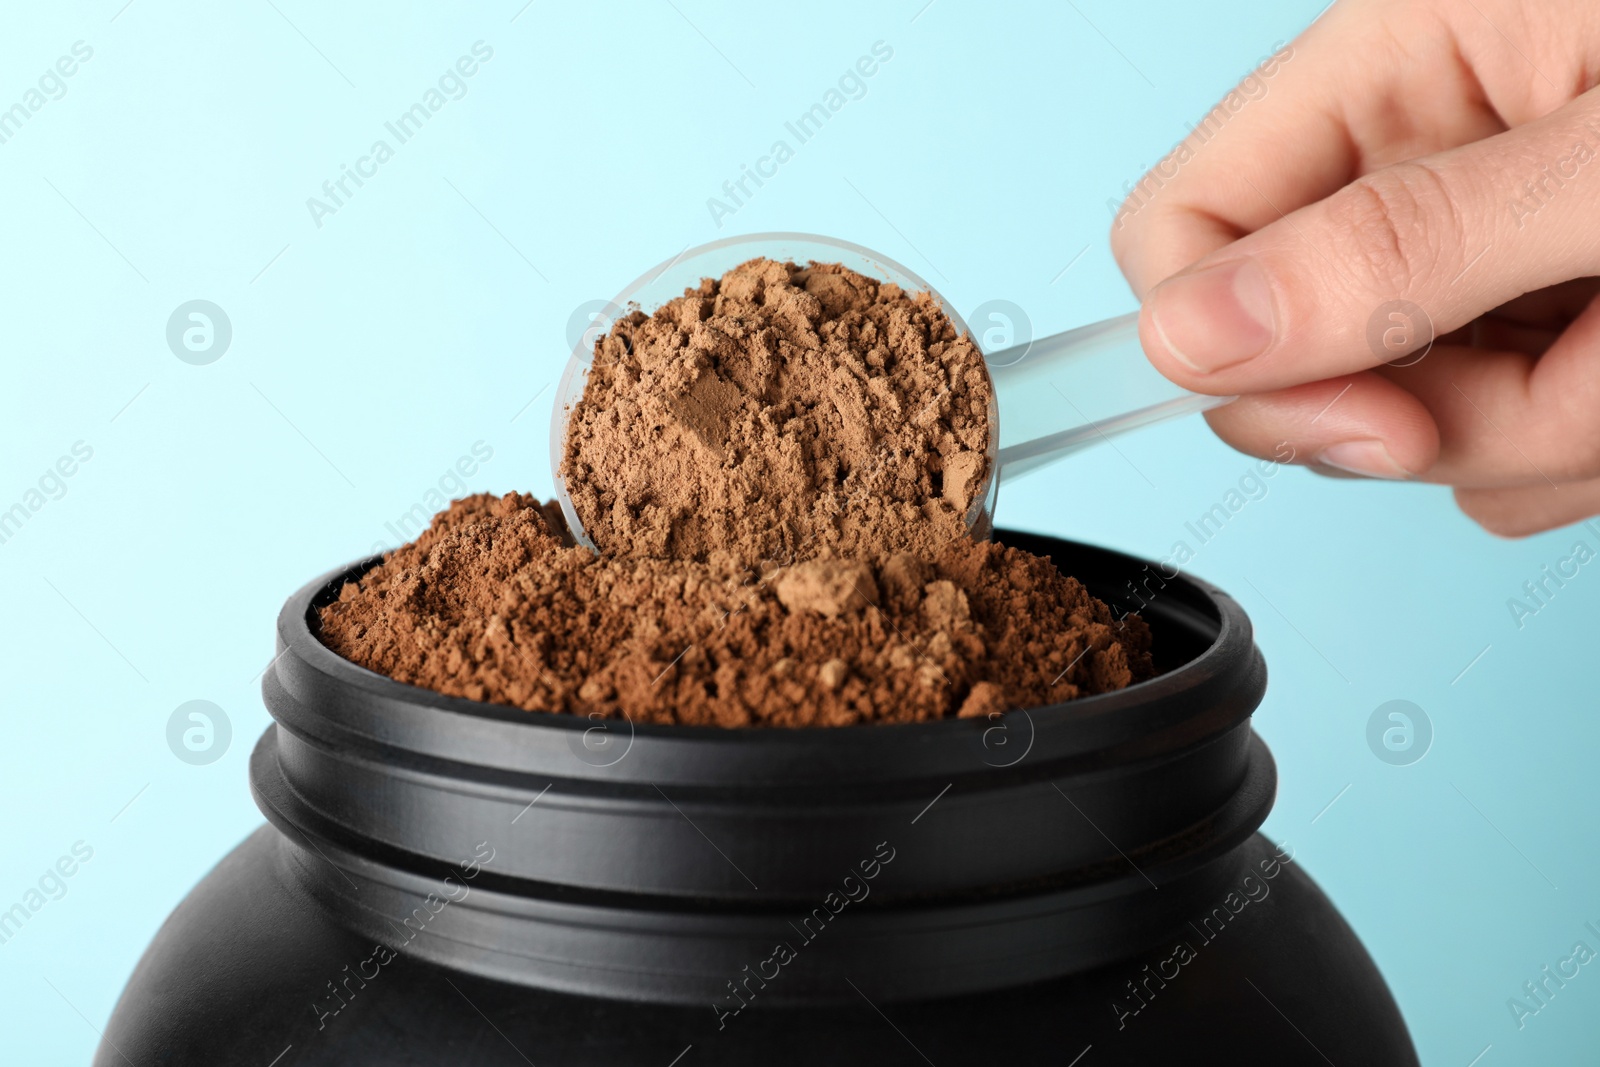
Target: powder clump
(778,413)
(492,603)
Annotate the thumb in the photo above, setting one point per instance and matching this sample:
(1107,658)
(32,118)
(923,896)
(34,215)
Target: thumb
(1387,263)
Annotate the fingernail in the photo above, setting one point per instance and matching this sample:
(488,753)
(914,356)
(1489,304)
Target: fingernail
(1368,458)
(1216,317)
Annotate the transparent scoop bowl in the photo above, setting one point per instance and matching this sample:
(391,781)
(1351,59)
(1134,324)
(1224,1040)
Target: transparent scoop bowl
(1049,397)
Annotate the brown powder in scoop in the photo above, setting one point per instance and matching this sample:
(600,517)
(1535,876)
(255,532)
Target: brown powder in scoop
(490,604)
(780,412)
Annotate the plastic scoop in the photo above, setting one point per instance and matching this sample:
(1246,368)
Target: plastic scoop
(1050,397)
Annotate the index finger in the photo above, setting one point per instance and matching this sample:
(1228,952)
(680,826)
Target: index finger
(1364,86)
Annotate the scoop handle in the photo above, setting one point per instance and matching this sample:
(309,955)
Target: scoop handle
(1065,392)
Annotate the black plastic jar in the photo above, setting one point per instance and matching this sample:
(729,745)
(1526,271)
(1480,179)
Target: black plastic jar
(449,882)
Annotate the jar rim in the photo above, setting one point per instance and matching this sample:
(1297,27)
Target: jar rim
(342,702)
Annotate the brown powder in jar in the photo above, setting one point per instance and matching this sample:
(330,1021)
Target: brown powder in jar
(490,604)
(780,412)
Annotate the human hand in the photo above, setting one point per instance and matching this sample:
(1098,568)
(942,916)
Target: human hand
(1399,155)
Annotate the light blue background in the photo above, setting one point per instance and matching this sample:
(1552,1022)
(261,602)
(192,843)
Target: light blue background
(369,354)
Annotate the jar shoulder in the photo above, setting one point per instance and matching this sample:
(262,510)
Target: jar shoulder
(249,967)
